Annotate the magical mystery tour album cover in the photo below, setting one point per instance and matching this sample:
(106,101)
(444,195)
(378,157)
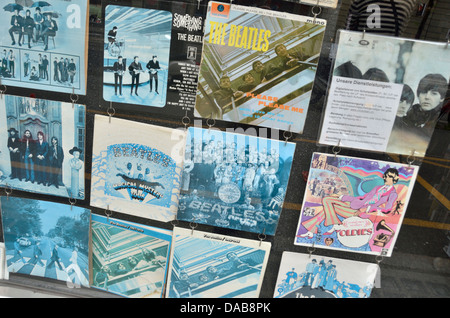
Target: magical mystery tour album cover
(354,204)
(258,66)
(44,45)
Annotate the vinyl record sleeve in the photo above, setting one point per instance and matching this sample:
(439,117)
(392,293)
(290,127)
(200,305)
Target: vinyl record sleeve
(127,258)
(314,276)
(53,166)
(45,45)
(234,180)
(136,168)
(386,93)
(166,40)
(208,265)
(46,239)
(258,66)
(354,204)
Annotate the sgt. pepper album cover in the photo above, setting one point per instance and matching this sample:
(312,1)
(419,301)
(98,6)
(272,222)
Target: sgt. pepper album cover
(44,45)
(354,204)
(46,239)
(314,276)
(208,265)
(258,66)
(42,146)
(127,258)
(234,180)
(136,168)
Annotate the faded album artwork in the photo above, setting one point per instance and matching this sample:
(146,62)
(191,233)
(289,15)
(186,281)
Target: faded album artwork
(315,276)
(128,259)
(42,146)
(386,93)
(234,180)
(136,168)
(354,204)
(43,45)
(46,239)
(258,66)
(208,265)
(136,55)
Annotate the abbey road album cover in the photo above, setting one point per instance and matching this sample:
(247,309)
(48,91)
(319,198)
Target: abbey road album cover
(208,265)
(386,93)
(151,55)
(44,45)
(46,239)
(127,258)
(258,66)
(234,180)
(314,276)
(42,146)
(354,204)
(136,168)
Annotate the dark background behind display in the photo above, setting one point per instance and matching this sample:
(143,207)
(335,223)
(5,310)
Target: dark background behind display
(419,265)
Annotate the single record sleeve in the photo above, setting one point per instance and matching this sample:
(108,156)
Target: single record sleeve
(46,239)
(208,265)
(354,204)
(44,45)
(385,95)
(136,168)
(127,258)
(314,276)
(258,66)
(234,180)
(42,146)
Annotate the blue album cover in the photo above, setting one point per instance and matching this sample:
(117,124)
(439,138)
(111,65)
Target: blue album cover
(207,265)
(136,55)
(42,144)
(234,181)
(127,258)
(46,239)
(136,168)
(44,45)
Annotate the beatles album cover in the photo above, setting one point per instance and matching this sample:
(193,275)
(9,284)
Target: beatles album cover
(42,146)
(207,265)
(151,55)
(314,276)
(258,66)
(386,93)
(354,204)
(136,168)
(127,258)
(44,45)
(234,180)
(46,239)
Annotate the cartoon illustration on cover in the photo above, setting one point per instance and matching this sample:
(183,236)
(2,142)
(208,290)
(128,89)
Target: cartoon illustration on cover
(42,146)
(354,204)
(136,168)
(234,181)
(258,66)
(129,259)
(314,276)
(46,239)
(207,265)
(44,45)
(136,55)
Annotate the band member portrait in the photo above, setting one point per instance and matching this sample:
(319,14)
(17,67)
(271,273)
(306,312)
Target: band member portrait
(112,35)
(49,28)
(153,67)
(40,161)
(27,152)
(135,69)
(55,161)
(72,70)
(16,27)
(225,93)
(38,19)
(14,153)
(28,27)
(119,69)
